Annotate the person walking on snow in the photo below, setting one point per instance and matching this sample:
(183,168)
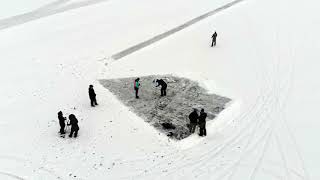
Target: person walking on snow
(163,86)
(193,117)
(137,86)
(74,125)
(202,123)
(61,122)
(214,39)
(92,96)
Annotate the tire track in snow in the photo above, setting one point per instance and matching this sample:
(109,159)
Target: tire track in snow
(285,164)
(11,175)
(159,37)
(44,11)
(286,125)
(266,146)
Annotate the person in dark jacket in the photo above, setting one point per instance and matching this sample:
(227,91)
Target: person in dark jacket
(61,122)
(214,39)
(163,86)
(92,96)
(193,117)
(202,123)
(137,86)
(74,125)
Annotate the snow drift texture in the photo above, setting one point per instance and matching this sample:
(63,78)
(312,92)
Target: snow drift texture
(168,114)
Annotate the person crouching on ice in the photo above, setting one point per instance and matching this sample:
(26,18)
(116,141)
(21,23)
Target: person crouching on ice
(74,125)
(163,86)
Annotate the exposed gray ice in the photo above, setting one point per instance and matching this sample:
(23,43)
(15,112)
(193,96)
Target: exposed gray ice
(167,114)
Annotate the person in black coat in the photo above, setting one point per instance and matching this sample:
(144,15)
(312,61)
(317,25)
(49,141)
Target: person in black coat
(214,39)
(92,96)
(193,117)
(61,122)
(163,86)
(202,123)
(74,125)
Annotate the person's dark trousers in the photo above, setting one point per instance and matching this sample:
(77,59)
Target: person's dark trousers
(213,43)
(93,102)
(137,91)
(62,130)
(203,131)
(193,127)
(75,131)
(71,133)
(164,91)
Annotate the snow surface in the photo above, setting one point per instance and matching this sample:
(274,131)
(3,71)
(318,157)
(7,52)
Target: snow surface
(266,60)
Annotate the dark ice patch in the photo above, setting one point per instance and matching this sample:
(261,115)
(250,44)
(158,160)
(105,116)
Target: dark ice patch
(170,111)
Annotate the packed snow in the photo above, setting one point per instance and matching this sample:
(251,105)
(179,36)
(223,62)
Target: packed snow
(266,60)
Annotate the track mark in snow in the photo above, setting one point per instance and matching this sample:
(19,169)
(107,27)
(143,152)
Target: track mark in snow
(285,164)
(159,37)
(44,11)
(11,175)
(266,146)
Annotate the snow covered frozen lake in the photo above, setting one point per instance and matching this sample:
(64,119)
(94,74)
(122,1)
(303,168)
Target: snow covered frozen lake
(266,61)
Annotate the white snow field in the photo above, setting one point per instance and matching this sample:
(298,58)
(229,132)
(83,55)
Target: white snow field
(266,60)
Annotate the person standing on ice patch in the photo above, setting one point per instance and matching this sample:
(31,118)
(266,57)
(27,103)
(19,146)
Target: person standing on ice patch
(202,123)
(136,86)
(193,117)
(92,96)
(163,86)
(61,122)
(74,125)
(214,39)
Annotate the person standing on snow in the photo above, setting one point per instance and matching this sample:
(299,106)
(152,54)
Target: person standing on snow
(214,39)
(202,123)
(92,96)
(74,125)
(61,122)
(137,86)
(193,117)
(163,86)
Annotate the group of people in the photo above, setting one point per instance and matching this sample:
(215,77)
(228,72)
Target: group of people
(73,121)
(195,118)
(198,120)
(160,82)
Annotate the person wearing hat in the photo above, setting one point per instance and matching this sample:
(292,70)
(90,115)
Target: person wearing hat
(61,122)
(92,96)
